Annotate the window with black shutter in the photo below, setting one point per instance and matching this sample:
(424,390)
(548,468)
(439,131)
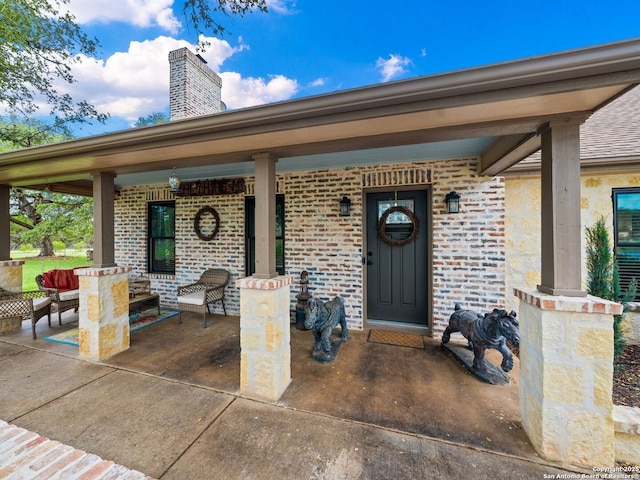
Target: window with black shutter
(162,237)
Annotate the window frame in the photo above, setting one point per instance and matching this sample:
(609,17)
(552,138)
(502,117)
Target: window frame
(151,239)
(615,192)
(626,252)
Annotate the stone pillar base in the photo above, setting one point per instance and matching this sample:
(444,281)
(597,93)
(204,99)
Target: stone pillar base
(11,275)
(566,377)
(8,325)
(265,368)
(104,312)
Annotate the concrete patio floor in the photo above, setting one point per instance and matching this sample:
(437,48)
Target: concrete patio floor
(170,407)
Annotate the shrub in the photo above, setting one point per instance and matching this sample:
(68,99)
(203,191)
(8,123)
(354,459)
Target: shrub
(603,280)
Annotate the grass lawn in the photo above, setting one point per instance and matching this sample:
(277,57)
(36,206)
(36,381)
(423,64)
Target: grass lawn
(35,266)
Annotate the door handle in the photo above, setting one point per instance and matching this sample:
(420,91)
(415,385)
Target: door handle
(369,262)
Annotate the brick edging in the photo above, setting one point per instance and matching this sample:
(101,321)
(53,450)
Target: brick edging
(27,454)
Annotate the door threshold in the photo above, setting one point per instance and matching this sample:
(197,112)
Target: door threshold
(397,327)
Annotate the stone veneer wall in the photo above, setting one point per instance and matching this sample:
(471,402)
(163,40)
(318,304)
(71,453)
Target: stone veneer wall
(468,248)
(523,228)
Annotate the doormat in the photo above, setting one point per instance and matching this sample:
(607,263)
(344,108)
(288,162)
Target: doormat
(395,338)
(137,321)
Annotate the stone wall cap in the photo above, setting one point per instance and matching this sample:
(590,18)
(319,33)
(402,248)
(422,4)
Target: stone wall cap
(101,272)
(588,304)
(265,283)
(626,419)
(11,263)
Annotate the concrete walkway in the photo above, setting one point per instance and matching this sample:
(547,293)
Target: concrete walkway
(168,428)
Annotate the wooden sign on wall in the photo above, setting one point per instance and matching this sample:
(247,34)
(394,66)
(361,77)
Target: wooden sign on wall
(222,186)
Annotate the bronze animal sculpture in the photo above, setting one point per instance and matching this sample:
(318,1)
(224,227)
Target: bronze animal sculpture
(482,332)
(321,319)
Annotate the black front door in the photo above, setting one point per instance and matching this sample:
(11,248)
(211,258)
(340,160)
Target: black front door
(396,257)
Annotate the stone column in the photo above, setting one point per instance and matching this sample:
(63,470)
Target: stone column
(11,280)
(104,311)
(265,364)
(11,275)
(566,377)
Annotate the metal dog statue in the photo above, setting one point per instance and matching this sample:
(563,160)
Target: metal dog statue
(489,331)
(321,318)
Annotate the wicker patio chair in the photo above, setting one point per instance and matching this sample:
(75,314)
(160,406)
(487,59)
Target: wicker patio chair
(63,300)
(197,297)
(33,304)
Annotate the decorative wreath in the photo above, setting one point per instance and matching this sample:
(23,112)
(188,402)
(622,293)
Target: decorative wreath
(196,223)
(383,222)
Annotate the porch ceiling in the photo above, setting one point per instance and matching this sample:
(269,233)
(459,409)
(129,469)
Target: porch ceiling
(493,112)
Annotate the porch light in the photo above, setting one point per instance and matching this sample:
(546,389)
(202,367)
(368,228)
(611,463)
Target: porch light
(174,183)
(453,202)
(345,207)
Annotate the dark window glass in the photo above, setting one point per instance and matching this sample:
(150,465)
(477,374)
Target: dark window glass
(250,234)
(162,237)
(626,225)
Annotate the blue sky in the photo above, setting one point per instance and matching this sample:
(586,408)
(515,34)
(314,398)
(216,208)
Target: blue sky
(309,47)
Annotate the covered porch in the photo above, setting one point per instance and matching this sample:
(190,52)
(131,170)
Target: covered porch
(496,115)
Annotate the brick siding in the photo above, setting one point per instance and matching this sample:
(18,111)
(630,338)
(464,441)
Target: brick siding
(468,248)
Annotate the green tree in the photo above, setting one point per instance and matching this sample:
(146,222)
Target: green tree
(602,277)
(39,44)
(41,217)
(38,217)
(15,134)
(153,119)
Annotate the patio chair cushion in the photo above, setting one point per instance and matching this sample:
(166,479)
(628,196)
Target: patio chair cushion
(69,295)
(38,303)
(194,298)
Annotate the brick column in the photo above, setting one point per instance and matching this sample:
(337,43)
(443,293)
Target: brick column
(11,275)
(265,368)
(566,377)
(104,311)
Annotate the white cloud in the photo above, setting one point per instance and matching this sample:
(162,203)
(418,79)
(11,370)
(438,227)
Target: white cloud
(238,92)
(318,82)
(142,13)
(392,67)
(135,83)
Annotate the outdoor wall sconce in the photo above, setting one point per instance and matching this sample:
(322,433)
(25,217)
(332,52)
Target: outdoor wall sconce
(453,202)
(174,183)
(345,207)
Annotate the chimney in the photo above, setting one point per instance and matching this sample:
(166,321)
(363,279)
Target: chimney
(194,89)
